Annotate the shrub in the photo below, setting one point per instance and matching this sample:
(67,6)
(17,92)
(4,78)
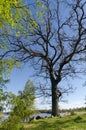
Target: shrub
(12,123)
(78,119)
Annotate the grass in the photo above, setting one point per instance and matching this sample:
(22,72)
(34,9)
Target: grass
(65,123)
(75,122)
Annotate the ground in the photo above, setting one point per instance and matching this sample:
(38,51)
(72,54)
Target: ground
(75,122)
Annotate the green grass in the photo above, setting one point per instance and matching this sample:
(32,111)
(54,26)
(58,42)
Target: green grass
(75,122)
(65,123)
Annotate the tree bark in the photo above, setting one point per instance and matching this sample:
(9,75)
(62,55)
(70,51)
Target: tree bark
(55,108)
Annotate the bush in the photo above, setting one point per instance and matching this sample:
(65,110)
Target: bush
(78,119)
(12,123)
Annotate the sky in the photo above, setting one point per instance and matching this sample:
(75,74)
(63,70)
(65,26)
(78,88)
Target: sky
(19,77)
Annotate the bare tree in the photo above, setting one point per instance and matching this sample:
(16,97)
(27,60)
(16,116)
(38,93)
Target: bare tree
(56,47)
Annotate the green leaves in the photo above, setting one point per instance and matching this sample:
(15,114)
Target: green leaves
(40,4)
(7,12)
(12,123)
(6,67)
(22,104)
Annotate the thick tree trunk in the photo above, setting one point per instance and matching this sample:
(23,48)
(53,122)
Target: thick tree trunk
(55,108)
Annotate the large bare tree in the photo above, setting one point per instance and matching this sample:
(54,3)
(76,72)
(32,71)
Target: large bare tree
(55,46)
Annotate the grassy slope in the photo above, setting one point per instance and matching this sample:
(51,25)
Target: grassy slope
(65,123)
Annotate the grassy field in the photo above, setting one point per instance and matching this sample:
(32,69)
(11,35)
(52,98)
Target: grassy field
(75,122)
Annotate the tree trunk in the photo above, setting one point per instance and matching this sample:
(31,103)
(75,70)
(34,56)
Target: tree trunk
(55,108)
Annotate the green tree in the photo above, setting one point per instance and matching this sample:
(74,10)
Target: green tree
(23,104)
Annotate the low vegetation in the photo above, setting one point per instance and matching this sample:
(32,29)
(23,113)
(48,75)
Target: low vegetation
(12,123)
(74,122)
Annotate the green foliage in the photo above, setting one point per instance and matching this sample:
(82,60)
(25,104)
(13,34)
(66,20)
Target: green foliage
(78,119)
(22,105)
(12,123)
(65,123)
(3,80)
(3,96)
(8,12)
(16,17)
(40,11)
(6,67)
(29,91)
(12,14)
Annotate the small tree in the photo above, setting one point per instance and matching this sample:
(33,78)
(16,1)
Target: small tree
(22,105)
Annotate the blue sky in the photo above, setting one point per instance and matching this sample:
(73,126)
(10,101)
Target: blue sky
(20,76)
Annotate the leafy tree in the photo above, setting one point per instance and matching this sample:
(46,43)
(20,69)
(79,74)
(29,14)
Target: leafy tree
(55,45)
(22,105)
